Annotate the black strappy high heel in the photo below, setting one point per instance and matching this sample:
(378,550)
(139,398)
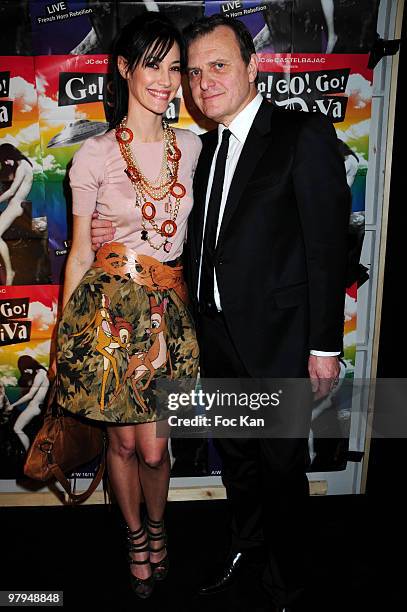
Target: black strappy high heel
(159,569)
(143,587)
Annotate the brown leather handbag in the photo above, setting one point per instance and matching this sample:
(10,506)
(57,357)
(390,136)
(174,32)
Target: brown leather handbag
(63,443)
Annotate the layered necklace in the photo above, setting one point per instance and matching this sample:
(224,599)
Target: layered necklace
(166,188)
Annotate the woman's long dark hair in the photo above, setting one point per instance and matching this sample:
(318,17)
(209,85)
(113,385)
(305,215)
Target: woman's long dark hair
(151,35)
(26,362)
(9,151)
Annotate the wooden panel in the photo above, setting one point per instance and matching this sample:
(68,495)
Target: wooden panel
(50,498)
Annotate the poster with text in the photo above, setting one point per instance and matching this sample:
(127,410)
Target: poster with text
(55,93)
(27,320)
(24,257)
(305,26)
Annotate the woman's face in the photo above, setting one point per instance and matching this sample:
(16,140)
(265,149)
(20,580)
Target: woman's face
(153,86)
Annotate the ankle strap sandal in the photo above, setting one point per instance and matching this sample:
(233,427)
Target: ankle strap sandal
(160,568)
(143,587)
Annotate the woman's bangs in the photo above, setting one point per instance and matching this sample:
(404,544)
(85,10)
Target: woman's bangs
(158,49)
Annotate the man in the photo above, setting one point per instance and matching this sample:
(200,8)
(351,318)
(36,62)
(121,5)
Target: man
(267,258)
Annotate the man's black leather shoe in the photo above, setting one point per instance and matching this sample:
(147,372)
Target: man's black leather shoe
(228,574)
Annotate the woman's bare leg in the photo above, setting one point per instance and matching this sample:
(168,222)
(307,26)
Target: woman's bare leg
(33,409)
(154,470)
(123,468)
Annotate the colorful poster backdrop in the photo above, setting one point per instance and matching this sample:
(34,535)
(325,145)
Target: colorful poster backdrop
(54,94)
(70,100)
(305,26)
(340,87)
(27,321)
(23,221)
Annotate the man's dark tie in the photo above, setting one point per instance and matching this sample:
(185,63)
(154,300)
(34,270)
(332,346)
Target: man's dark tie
(206,290)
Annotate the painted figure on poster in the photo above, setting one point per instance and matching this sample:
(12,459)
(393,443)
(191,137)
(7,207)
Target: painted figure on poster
(293,27)
(16,176)
(351,161)
(276,34)
(328,10)
(106,15)
(317,26)
(4,405)
(34,377)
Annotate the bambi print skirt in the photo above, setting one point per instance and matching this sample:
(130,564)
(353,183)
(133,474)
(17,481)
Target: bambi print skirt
(125,328)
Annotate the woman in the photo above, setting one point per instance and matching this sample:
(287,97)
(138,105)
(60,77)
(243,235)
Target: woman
(328,10)
(34,377)
(16,174)
(125,326)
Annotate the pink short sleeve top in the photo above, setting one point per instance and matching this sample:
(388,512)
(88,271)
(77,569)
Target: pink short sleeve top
(99,182)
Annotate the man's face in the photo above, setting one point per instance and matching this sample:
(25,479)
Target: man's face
(221,83)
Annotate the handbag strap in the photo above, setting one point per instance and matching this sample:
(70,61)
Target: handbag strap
(53,409)
(78,498)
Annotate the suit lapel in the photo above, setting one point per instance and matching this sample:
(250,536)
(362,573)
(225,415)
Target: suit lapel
(254,147)
(201,177)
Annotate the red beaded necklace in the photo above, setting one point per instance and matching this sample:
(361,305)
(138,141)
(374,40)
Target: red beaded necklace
(167,188)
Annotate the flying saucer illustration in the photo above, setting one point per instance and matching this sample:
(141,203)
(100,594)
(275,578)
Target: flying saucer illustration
(77,132)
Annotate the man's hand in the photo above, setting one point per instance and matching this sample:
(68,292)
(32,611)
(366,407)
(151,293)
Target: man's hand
(324,374)
(101,231)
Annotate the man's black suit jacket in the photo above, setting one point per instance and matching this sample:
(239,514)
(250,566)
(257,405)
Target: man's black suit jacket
(281,253)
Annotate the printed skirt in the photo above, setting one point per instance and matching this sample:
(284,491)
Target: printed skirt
(125,328)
